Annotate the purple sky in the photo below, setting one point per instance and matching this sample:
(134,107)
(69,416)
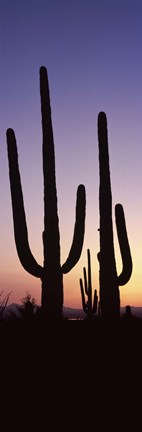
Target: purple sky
(93,53)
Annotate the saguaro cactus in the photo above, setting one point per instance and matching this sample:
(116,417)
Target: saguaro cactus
(86,290)
(52,271)
(109,281)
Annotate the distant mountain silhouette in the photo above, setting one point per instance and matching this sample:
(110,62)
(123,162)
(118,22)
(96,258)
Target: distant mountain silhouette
(15,309)
(136,311)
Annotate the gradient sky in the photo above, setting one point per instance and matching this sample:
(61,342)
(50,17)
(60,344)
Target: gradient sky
(93,52)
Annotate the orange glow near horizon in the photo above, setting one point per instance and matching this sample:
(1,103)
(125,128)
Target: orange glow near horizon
(20,282)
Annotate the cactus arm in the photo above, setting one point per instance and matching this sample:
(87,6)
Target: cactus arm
(79,229)
(124,246)
(19,218)
(89,281)
(83,297)
(85,281)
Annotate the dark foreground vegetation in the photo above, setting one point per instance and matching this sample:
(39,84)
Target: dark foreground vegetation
(77,337)
(51,370)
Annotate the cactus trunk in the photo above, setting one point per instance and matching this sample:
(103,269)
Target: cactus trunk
(109,290)
(52,281)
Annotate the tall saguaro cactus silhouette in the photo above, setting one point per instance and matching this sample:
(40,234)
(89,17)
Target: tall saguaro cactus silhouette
(51,274)
(109,281)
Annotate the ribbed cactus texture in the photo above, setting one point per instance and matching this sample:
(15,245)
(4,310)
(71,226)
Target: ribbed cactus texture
(86,290)
(51,274)
(109,281)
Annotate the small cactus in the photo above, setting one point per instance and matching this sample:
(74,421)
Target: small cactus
(86,291)
(128,313)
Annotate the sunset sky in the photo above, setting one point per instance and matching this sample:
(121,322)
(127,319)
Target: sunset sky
(92,50)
